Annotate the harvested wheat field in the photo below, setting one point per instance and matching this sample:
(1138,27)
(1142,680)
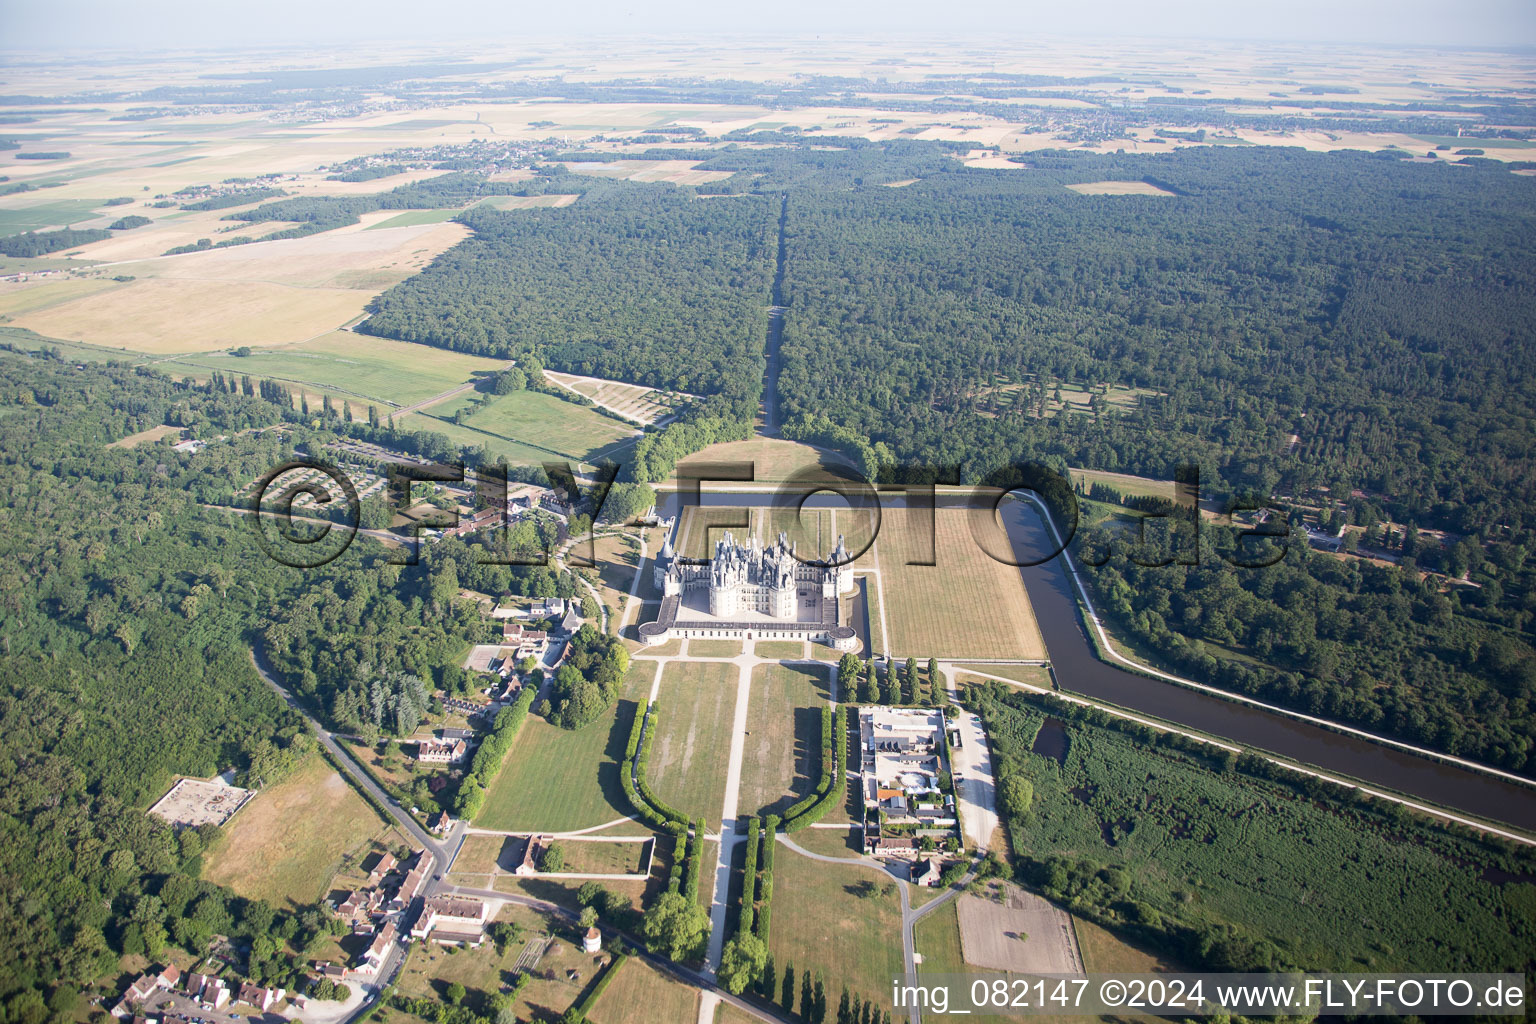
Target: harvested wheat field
(1119,188)
(262,294)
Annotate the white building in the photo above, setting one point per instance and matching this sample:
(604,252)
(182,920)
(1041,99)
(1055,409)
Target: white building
(452,920)
(748,591)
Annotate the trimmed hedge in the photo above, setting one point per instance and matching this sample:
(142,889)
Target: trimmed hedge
(695,871)
(765,877)
(671,819)
(590,999)
(834,782)
(655,814)
(749,878)
(493,751)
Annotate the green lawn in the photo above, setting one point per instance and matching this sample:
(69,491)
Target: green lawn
(1034,675)
(782,759)
(513,453)
(560,780)
(414,217)
(779,649)
(60,214)
(378,368)
(541,420)
(714,648)
(693,742)
(638,984)
(820,922)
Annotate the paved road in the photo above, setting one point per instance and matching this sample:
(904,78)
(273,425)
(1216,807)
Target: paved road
(441,852)
(977,789)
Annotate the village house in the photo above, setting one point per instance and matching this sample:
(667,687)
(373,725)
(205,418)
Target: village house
(434,751)
(371,961)
(141,989)
(381,867)
(532,854)
(215,993)
(452,920)
(260,997)
(523,642)
(927,872)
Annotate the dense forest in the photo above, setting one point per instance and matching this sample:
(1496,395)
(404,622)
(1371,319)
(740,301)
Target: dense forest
(123,662)
(128,610)
(643,284)
(1344,333)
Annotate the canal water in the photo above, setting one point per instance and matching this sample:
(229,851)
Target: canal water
(1079,669)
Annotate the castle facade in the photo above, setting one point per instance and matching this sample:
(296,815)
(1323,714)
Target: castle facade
(752,590)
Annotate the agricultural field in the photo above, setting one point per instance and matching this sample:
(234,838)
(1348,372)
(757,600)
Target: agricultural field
(392,373)
(822,922)
(632,401)
(146,436)
(638,984)
(677,172)
(273,293)
(284,846)
(1119,188)
(697,703)
(560,780)
(781,760)
(964,604)
(27,297)
(539,420)
(774,460)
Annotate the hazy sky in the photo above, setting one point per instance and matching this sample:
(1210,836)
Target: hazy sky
(26,24)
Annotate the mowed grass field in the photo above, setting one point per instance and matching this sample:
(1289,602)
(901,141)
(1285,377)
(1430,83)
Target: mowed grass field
(560,780)
(966,604)
(781,759)
(1034,675)
(391,372)
(774,460)
(697,703)
(284,846)
(539,419)
(702,528)
(511,452)
(821,923)
(640,988)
